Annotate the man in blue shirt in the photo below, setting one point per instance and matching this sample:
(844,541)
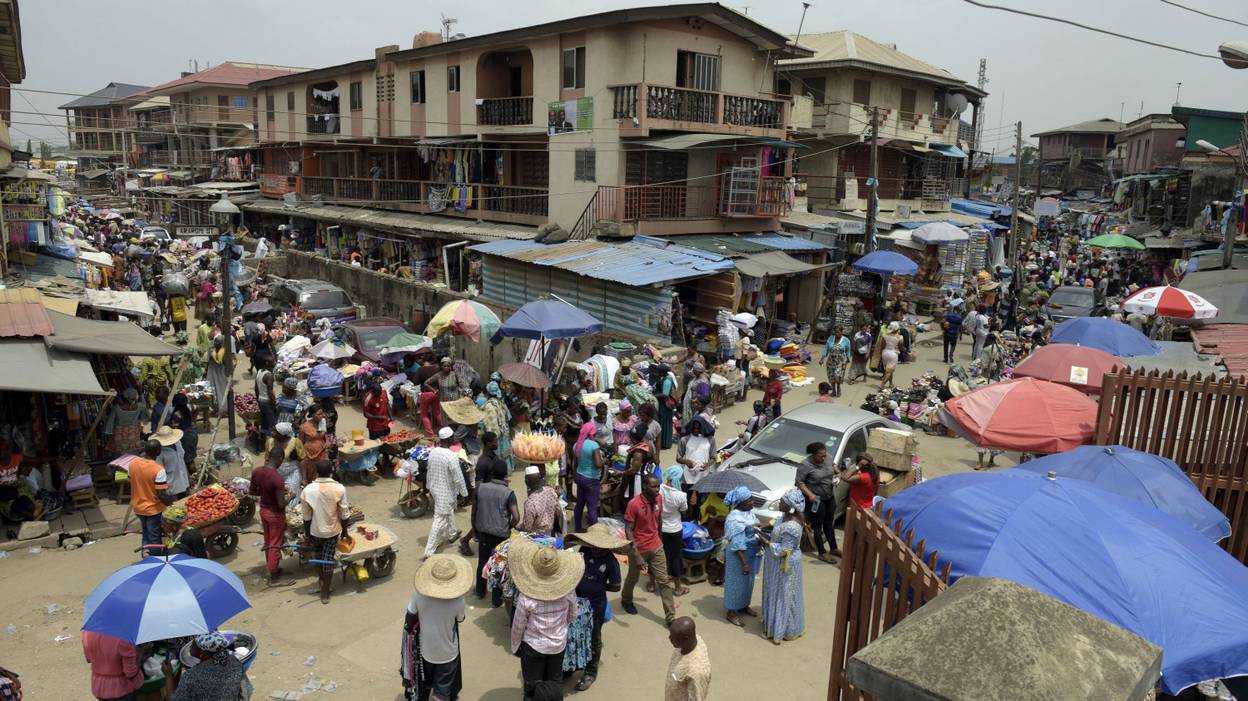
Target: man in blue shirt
(952,324)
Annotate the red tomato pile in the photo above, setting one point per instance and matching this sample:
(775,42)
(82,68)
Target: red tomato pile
(402,437)
(209,504)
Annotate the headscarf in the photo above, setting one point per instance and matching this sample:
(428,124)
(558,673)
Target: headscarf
(216,644)
(493,389)
(738,494)
(795,500)
(893,326)
(496,376)
(674,475)
(588,429)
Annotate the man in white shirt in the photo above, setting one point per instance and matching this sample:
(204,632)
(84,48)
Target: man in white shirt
(445,482)
(433,617)
(262,248)
(323,505)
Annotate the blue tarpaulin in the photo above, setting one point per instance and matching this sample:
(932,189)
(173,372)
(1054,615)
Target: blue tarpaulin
(1105,554)
(948,150)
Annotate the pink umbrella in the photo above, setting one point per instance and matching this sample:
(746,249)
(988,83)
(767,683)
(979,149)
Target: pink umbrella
(1081,367)
(1025,414)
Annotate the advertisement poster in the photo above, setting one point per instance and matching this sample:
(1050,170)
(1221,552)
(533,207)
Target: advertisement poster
(570,115)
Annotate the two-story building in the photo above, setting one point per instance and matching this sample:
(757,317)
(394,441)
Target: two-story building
(1079,156)
(12,71)
(1150,142)
(916,106)
(656,121)
(206,113)
(100,135)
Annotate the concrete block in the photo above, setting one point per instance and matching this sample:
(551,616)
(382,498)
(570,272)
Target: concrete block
(33,529)
(989,638)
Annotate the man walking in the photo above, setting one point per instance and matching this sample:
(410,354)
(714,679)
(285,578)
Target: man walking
(641,526)
(267,484)
(324,507)
(689,671)
(445,482)
(431,655)
(149,492)
(494,512)
(541,506)
(546,581)
(952,325)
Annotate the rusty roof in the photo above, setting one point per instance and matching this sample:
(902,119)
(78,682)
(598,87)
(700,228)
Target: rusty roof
(22,314)
(1229,342)
(228,73)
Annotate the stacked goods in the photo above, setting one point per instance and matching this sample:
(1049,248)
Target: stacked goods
(212,503)
(402,437)
(537,447)
(893,453)
(246,406)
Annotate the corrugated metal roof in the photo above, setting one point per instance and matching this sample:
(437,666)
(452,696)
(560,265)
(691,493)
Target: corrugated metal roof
(1227,341)
(105,96)
(747,244)
(397,222)
(848,46)
(636,263)
(1104,125)
(22,314)
(228,73)
(786,242)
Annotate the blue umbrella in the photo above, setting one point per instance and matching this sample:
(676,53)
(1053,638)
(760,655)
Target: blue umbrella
(1141,476)
(886,263)
(547,318)
(1110,556)
(1103,333)
(163,598)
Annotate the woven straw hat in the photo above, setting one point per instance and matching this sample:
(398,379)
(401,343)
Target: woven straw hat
(444,577)
(544,573)
(463,411)
(167,435)
(599,536)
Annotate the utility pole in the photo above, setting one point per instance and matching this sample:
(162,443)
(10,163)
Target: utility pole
(1018,200)
(873,180)
(1241,169)
(226,243)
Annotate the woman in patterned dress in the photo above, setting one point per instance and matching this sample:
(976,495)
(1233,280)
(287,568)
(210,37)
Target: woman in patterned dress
(784,607)
(741,546)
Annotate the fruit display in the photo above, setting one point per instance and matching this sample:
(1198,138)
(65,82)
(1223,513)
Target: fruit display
(537,447)
(239,487)
(402,437)
(212,503)
(246,405)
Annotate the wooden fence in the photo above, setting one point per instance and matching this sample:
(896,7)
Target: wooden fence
(883,580)
(1200,423)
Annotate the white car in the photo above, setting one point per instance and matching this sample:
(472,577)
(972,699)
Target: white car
(774,454)
(159,233)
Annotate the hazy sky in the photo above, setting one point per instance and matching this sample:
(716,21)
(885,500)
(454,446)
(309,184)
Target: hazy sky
(1046,75)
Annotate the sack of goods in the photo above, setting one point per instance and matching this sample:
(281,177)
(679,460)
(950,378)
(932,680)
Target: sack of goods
(537,447)
(175,284)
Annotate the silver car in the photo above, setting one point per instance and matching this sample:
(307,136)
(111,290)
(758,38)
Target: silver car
(774,454)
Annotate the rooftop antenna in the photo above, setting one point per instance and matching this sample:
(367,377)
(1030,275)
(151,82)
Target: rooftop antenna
(447,22)
(981,82)
(805,7)
(745,10)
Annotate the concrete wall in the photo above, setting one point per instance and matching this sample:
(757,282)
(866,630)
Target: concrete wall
(1210,182)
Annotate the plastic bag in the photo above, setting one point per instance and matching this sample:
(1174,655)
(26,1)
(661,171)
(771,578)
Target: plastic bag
(175,284)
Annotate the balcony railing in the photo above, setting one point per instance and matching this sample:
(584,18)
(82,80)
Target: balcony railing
(505,112)
(634,203)
(851,191)
(324,124)
(213,114)
(939,124)
(495,202)
(642,101)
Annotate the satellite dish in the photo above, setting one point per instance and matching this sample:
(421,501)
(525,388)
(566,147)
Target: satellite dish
(1234,54)
(955,103)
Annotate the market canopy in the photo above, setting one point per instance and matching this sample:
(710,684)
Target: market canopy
(26,365)
(948,150)
(101,259)
(939,232)
(1112,336)
(79,335)
(119,302)
(1024,414)
(547,318)
(886,263)
(773,263)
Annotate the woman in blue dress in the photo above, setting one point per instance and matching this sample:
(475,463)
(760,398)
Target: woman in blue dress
(784,608)
(741,554)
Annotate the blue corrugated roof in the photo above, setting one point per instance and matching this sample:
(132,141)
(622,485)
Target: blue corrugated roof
(978,208)
(640,262)
(785,242)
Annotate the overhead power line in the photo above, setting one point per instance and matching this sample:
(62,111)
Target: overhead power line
(1206,14)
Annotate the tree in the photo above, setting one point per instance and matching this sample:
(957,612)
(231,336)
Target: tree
(45,151)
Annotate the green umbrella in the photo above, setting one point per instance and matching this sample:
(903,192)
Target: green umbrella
(405,343)
(1115,241)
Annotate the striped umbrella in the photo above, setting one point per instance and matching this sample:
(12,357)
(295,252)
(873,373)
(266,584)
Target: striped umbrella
(162,598)
(464,317)
(1169,302)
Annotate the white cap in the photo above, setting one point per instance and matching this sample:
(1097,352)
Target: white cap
(285,429)
(532,470)
(445,433)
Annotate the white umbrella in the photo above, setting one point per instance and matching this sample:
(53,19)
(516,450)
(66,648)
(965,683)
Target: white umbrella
(1169,302)
(938,232)
(329,350)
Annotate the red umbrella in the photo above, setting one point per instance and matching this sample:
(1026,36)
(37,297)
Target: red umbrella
(1081,367)
(1029,415)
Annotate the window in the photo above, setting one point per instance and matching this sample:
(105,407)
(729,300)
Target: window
(268,108)
(290,101)
(574,68)
(585,170)
(697,71)
(418,87)
(862,92)
(783,86)
(817,89)
(908,100)
(357,96)
(240,102)
(452,78)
